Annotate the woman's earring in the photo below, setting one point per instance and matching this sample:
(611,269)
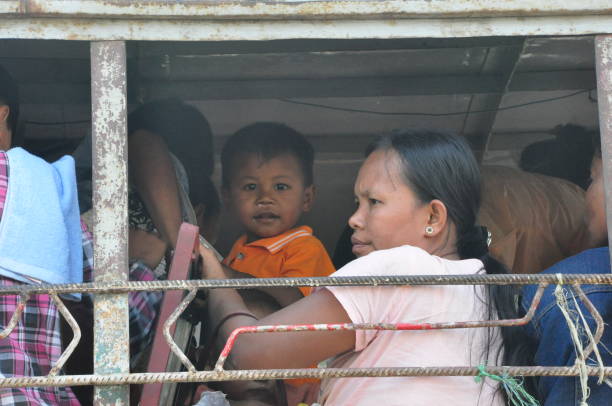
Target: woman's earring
(429,230)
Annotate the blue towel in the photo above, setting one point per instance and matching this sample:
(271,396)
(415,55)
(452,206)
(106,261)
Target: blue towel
(40,231)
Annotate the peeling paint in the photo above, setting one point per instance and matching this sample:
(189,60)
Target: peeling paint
(384,28)
(311,9)
(109,130)
(603,62)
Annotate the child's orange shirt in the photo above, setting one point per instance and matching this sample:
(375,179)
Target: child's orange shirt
(293,254)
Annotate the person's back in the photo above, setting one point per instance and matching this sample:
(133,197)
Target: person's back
(535,220)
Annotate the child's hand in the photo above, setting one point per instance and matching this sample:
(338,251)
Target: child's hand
(211,267)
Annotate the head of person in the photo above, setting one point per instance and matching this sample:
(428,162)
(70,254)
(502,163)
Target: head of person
(419,188)
(9,109)
(185,131)
(567,156)
(267,175)
(595,200)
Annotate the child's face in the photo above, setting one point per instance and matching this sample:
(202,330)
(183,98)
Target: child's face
(389,213)
(268,196)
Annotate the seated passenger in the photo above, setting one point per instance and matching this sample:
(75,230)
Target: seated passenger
(161,194)
(549,327)
(40,242)
(418,194)
(268,184)
(170,163)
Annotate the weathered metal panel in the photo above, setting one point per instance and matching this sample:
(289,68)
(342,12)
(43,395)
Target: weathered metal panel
(313,8)
(211,30)
(603,62)
(109,128)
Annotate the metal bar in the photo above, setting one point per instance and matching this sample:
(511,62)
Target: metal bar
(242,375)
(136,286)
(171,320)
(598,321)
(383,28)
(75,338)
(109,128)
(23,298)
(503,60)
(603,65)
(305,9)
(231,340)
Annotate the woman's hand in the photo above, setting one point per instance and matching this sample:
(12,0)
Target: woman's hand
(211,267)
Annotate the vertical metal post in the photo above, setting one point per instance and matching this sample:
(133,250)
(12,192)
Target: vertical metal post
(603,63)
(109,131)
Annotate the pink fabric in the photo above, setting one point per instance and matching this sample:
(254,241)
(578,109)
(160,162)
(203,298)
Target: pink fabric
(416,304)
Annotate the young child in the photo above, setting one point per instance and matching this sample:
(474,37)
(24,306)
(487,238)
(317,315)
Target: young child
(268,183)
(267,174)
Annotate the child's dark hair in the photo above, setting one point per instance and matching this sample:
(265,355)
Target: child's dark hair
(267,140)
(441,166)
(187,134)
(9,96)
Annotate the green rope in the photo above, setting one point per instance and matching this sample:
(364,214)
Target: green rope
(517,395)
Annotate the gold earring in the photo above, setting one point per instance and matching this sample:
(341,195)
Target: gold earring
(429,230)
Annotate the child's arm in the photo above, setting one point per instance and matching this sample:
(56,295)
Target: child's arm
(278,350)
(284,296)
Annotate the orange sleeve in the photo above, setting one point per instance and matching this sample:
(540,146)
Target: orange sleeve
(306,257)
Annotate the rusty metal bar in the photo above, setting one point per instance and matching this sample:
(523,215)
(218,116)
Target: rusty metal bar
(23,298)
(279,9)
(382,27)
(136,286)
(221,375)
(229,344)
(243,375)
(109,129)
(603,64)
(76,330)
(171,320)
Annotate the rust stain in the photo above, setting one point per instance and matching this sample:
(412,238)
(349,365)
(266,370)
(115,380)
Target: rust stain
(302,9)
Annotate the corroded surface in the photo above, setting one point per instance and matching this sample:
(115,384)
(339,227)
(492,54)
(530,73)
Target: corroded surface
(310,8)
(109,129)
(603,62)
(78,28)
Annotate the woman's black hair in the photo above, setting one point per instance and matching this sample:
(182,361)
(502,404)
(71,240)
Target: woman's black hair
(9,96)
(187,134)
(438,165)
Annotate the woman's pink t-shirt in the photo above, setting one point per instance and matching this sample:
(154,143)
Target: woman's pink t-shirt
(413,304)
